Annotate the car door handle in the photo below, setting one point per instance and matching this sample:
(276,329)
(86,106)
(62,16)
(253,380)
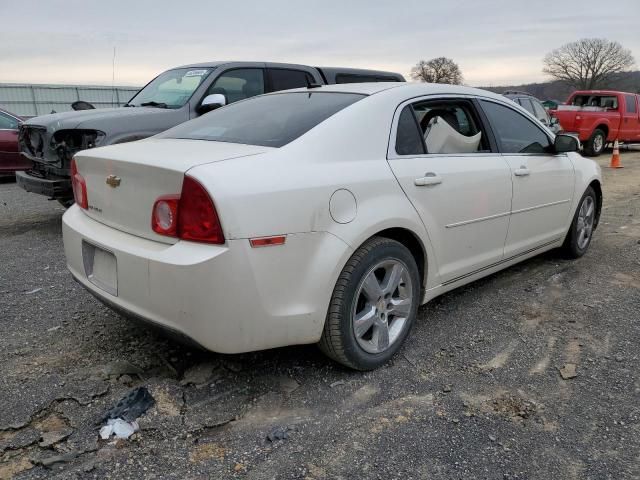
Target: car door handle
(429,178)
(522,171)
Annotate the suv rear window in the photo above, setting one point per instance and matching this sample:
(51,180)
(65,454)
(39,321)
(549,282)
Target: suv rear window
(270,120)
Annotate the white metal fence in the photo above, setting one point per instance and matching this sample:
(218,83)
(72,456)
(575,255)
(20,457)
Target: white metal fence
(32,100)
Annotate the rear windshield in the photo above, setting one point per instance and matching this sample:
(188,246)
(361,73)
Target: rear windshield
(270,120)
(597,101)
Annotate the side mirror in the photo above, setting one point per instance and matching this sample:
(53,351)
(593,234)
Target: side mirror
(211,102)
(566,143)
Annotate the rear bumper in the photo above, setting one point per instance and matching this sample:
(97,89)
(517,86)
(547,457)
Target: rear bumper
(58,188)
(229,298)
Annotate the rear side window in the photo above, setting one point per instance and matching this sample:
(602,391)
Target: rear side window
(270,120)
(282,79)
(408,136)
(630,100)
(515,132)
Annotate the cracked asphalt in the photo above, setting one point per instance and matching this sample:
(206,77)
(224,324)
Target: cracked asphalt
(477,392)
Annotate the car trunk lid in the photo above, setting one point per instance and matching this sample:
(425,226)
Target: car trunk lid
(124,181)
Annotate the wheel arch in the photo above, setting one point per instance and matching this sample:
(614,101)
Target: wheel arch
(597,187)
(413,243)
(604,127)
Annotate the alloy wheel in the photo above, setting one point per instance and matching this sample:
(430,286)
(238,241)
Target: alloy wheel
(382,305)
(586,217)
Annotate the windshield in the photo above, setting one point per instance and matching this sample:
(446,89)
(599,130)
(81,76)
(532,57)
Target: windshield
(171,89)
(270,120)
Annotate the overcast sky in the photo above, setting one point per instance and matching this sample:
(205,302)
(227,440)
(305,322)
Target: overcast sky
(495,42)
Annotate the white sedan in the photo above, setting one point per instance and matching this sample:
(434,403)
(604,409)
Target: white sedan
(324,215)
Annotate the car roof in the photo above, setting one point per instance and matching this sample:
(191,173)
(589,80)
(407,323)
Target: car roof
(410,89)
(601,92)
(218,63)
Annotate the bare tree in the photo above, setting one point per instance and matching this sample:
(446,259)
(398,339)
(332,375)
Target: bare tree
(438,70)
(588,63)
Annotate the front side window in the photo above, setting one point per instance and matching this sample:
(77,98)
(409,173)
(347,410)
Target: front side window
(239,84)
(171,89)
(515,132)
(282,79)
(271,120)
(7,122)
(630,101)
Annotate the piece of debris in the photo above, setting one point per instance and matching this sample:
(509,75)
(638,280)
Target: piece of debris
(49,461)
(198,374)
(282,383)
(121,418)
(131,406)
(53,329)
(336,384)
(568,371)
(35,290)
(119,428)
(279,433)
(121,367)
(51,438)
(619,358)
(492,438)
(446,388)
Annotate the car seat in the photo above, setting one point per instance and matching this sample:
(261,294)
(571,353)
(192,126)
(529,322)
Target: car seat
(441,137)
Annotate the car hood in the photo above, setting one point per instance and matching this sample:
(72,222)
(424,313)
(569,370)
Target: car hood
(107,119)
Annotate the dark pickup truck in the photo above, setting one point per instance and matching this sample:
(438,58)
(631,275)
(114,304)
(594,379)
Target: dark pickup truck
(173,97)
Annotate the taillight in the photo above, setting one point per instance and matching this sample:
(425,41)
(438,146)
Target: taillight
(189,216)
(164,219)
(79,186)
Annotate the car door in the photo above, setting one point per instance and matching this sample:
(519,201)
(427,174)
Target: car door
(543,182)
(238,83)
(10,158)
(460,189)
(630,126)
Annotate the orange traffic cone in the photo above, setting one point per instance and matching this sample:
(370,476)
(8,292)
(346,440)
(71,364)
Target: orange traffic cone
(615,158)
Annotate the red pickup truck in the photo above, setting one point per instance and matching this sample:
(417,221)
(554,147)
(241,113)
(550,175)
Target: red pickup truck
(599,117)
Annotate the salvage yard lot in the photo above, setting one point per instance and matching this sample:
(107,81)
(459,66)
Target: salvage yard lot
(476,392)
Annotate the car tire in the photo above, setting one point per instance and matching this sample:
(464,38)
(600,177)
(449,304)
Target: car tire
(66,202)
(380,286)
(596,143)
(584,222)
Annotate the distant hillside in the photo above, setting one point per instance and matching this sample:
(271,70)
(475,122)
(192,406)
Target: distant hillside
(556,90)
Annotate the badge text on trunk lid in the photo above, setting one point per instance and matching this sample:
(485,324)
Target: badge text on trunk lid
(113,181)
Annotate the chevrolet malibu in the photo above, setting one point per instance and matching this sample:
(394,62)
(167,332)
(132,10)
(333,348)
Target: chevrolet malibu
(324,215)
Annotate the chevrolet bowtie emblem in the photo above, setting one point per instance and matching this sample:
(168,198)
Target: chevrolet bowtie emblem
(113,181)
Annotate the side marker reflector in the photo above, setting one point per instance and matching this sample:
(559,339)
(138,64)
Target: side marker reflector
(267,241)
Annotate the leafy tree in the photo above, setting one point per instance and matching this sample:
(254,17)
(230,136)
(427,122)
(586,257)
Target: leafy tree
(588,63)
(438,70)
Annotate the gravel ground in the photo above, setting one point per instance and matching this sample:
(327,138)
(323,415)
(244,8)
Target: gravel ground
(477,392)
